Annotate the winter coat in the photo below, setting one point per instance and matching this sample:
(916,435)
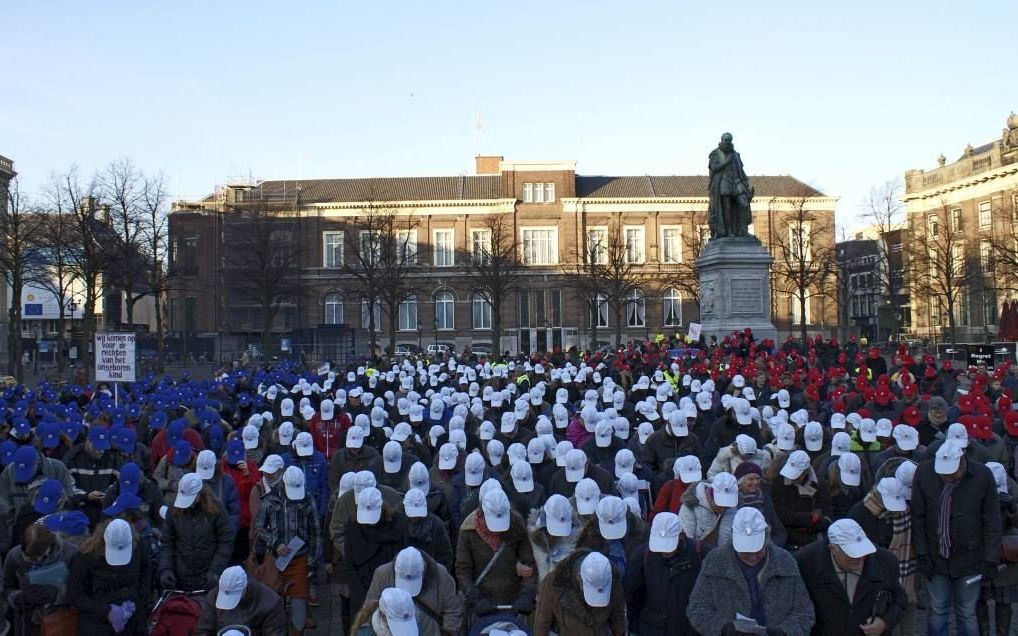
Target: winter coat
(167,475)
(697,517)
(430,536)
(877,588)
(723,432)
(367,548)
(590,537)
(721,591)
(14,495)
(796,511)
(243,484)
(559,485)
(879,531)
(662,448)
(669,498)
(91,474)
(562,609)
(316,479)
(16,572)
(343,513)
(975,524)
(728,459)
(438,594)
(658,588)
(549,550)
(329,435)
(94,585)
(343,462)
(502,585)
(196,546)
(260,609)
(226,492)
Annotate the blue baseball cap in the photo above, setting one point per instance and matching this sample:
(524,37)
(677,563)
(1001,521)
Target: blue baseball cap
(235,452)
(24,462)
(73,523)
(7,450)
(49,433)
(72,429)
(130,478)
(126,501)
(158,420)
(125,439)
(118,416)
(22,429)
(100,437)
(181,453)
(176,430)
(48,497)
(216,437)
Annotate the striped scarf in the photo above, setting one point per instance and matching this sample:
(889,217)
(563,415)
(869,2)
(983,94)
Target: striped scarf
(901,541)
(944,518)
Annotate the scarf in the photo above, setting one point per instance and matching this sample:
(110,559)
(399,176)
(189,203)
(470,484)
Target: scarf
(901,541)
(617,555)
(944,518)
(492,539)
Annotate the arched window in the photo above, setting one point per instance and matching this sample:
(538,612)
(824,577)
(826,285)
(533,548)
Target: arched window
(482,312)
(636,309)
(671,302)
(333,309)
(365,322)
(408,314)
(445,314)
(599,313)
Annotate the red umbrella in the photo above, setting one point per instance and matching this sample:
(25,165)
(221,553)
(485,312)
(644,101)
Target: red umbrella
(1012,321)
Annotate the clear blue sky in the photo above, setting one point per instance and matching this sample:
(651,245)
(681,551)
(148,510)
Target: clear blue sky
(842,95)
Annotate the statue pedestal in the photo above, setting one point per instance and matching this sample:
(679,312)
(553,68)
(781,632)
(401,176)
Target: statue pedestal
(735,290)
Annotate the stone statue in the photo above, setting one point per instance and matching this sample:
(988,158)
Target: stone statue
(730,192)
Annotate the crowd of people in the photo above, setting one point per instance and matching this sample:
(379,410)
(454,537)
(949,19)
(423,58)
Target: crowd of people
(744,486)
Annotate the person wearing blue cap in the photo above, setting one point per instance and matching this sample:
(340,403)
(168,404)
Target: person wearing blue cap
(7,450)
(52,442)
(132,480)
(94,468)
(127,449)
(49,498)
(28,468)
(174,465)
(175,431)
(35,576)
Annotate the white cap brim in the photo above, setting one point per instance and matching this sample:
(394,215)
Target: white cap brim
(690,476)
(416,512)
(789,472)
(894,504)
(815,446)
(446,463)
(748,542)
(368,516)
(118,556)
(558,528)
(496,524)
(868,437)
(294,493)
(612,530)
(596,597)
(585,507)
(473,479)
(907,444)
(411,586)
(354,442)
(574,475)
(226,600)
(726,500)
(946,466)
(859,549)
(184,501)
(205,473)
(250,444)
(523,485)
(392,467)
(406,627)
(663,545)
(851,479)
(305,451)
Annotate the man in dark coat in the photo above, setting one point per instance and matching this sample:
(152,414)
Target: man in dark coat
(853,584)
(956,532)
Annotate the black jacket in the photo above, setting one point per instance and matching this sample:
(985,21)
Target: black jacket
(94,585)
(196,547)
(877,592)
(429,535)
(975,520)
(658,588)
(879,531)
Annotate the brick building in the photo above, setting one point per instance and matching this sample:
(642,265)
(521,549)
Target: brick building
(554,213)
(969,208)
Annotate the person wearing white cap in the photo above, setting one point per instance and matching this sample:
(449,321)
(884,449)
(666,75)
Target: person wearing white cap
(686,471)
(392,467)
(906,446)
(675,439)
(197,538)
(708,507)
(602,447)
(345,510)
(353,456)
(956,530)
(583,595)
(553,532)
(286,515)
(577,467)
(241,600)
(660,578)
(328,428)
(743,449)
(465,488)
(393,614)
(109,576)
(854,585)
(208,467)
(799,500)
(525,494)
(885,518)
(374,537)
(845,483)
(615,531)
(737,420)
(303,455)
(425,530)
(432,587)
(511,578)
(751,577)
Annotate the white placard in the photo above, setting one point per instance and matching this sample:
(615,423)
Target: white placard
(114,357)
(694,331)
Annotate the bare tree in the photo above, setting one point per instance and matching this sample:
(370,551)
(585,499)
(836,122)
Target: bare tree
(940,268)
(382,250)
(51,267)
(685,275)
(884,209)
(18,229)
(1003,242)
(261,261)
(805,265)
(495,269)
(155,239)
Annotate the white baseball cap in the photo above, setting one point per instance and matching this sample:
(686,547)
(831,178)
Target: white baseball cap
(293,481)
(535,451)
(402,432)
(664,533)
(576,464)
(354,437)
(841,443)
(999,476)
(419,478)
(495,506)
(119,540)
(850,468)
(745,444)
(523,477)
(848,535)
(948,458)
(558,515)
(867,430)
(392,457)
(906,437)
(958,434)
(644,431)
(408,568)
(813,436)
(304,445)
(561,450)
(448,453)
(473,469)
(415,504)
(205,465)
(784,399)
(725,489)
(687,469)
(188,488)
(625,461)
(400,614)
(785,437)
(892,493)
(596,576)
(749,530)
(587,494)
(796,465)
(743,411)
(369,506)
(837,421)
(232,584)
(250,437)
(286,433)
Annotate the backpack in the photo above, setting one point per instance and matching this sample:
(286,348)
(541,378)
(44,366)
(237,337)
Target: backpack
(175,615)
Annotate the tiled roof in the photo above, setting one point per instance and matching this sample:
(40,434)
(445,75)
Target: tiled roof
(978,150)
(383,189)
(683,186)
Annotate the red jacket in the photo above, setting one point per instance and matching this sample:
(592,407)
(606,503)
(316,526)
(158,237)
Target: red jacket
(670,497)
(330,435)
(244,486)
(161,444)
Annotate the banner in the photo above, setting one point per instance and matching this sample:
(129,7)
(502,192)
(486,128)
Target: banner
(114,357)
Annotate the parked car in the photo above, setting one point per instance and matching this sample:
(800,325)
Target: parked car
(481,350)
(438,348)
(406,350)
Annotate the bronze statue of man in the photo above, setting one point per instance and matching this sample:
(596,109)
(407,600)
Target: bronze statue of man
(730,192)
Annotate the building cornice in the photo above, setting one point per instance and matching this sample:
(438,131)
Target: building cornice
(419,208)
(687,204)
(941,191)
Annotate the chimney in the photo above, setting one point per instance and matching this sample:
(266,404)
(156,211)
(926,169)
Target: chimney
(487,164)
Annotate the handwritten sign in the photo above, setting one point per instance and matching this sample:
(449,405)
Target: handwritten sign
(115,357)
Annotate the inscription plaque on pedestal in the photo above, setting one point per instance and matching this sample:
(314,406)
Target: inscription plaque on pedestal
(744,296)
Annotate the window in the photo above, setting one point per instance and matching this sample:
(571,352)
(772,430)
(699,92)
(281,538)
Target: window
(523,307)
(636,309)
(408,314)
(332,249)
(796,309)
(538,192)
(556,307)
(482,312)
(333,309)
(406,241)
(798,240)
(933,225)
(443,246)
(956,219)
(984,215)
(671,244)
(634,245)
(990,310)
(445,313)
(540,246)
(480,245)
(672,302)
(371,248)
(597,245)
(599,315)
(377,316)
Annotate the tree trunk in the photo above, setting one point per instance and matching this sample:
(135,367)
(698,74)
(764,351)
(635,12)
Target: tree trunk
(802,317)
(160,335)
(88,328)
(372,336)
(393,318)
(61,326)
(950,322)
(496,328)
(14,336)
(129,301)
(619,311)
